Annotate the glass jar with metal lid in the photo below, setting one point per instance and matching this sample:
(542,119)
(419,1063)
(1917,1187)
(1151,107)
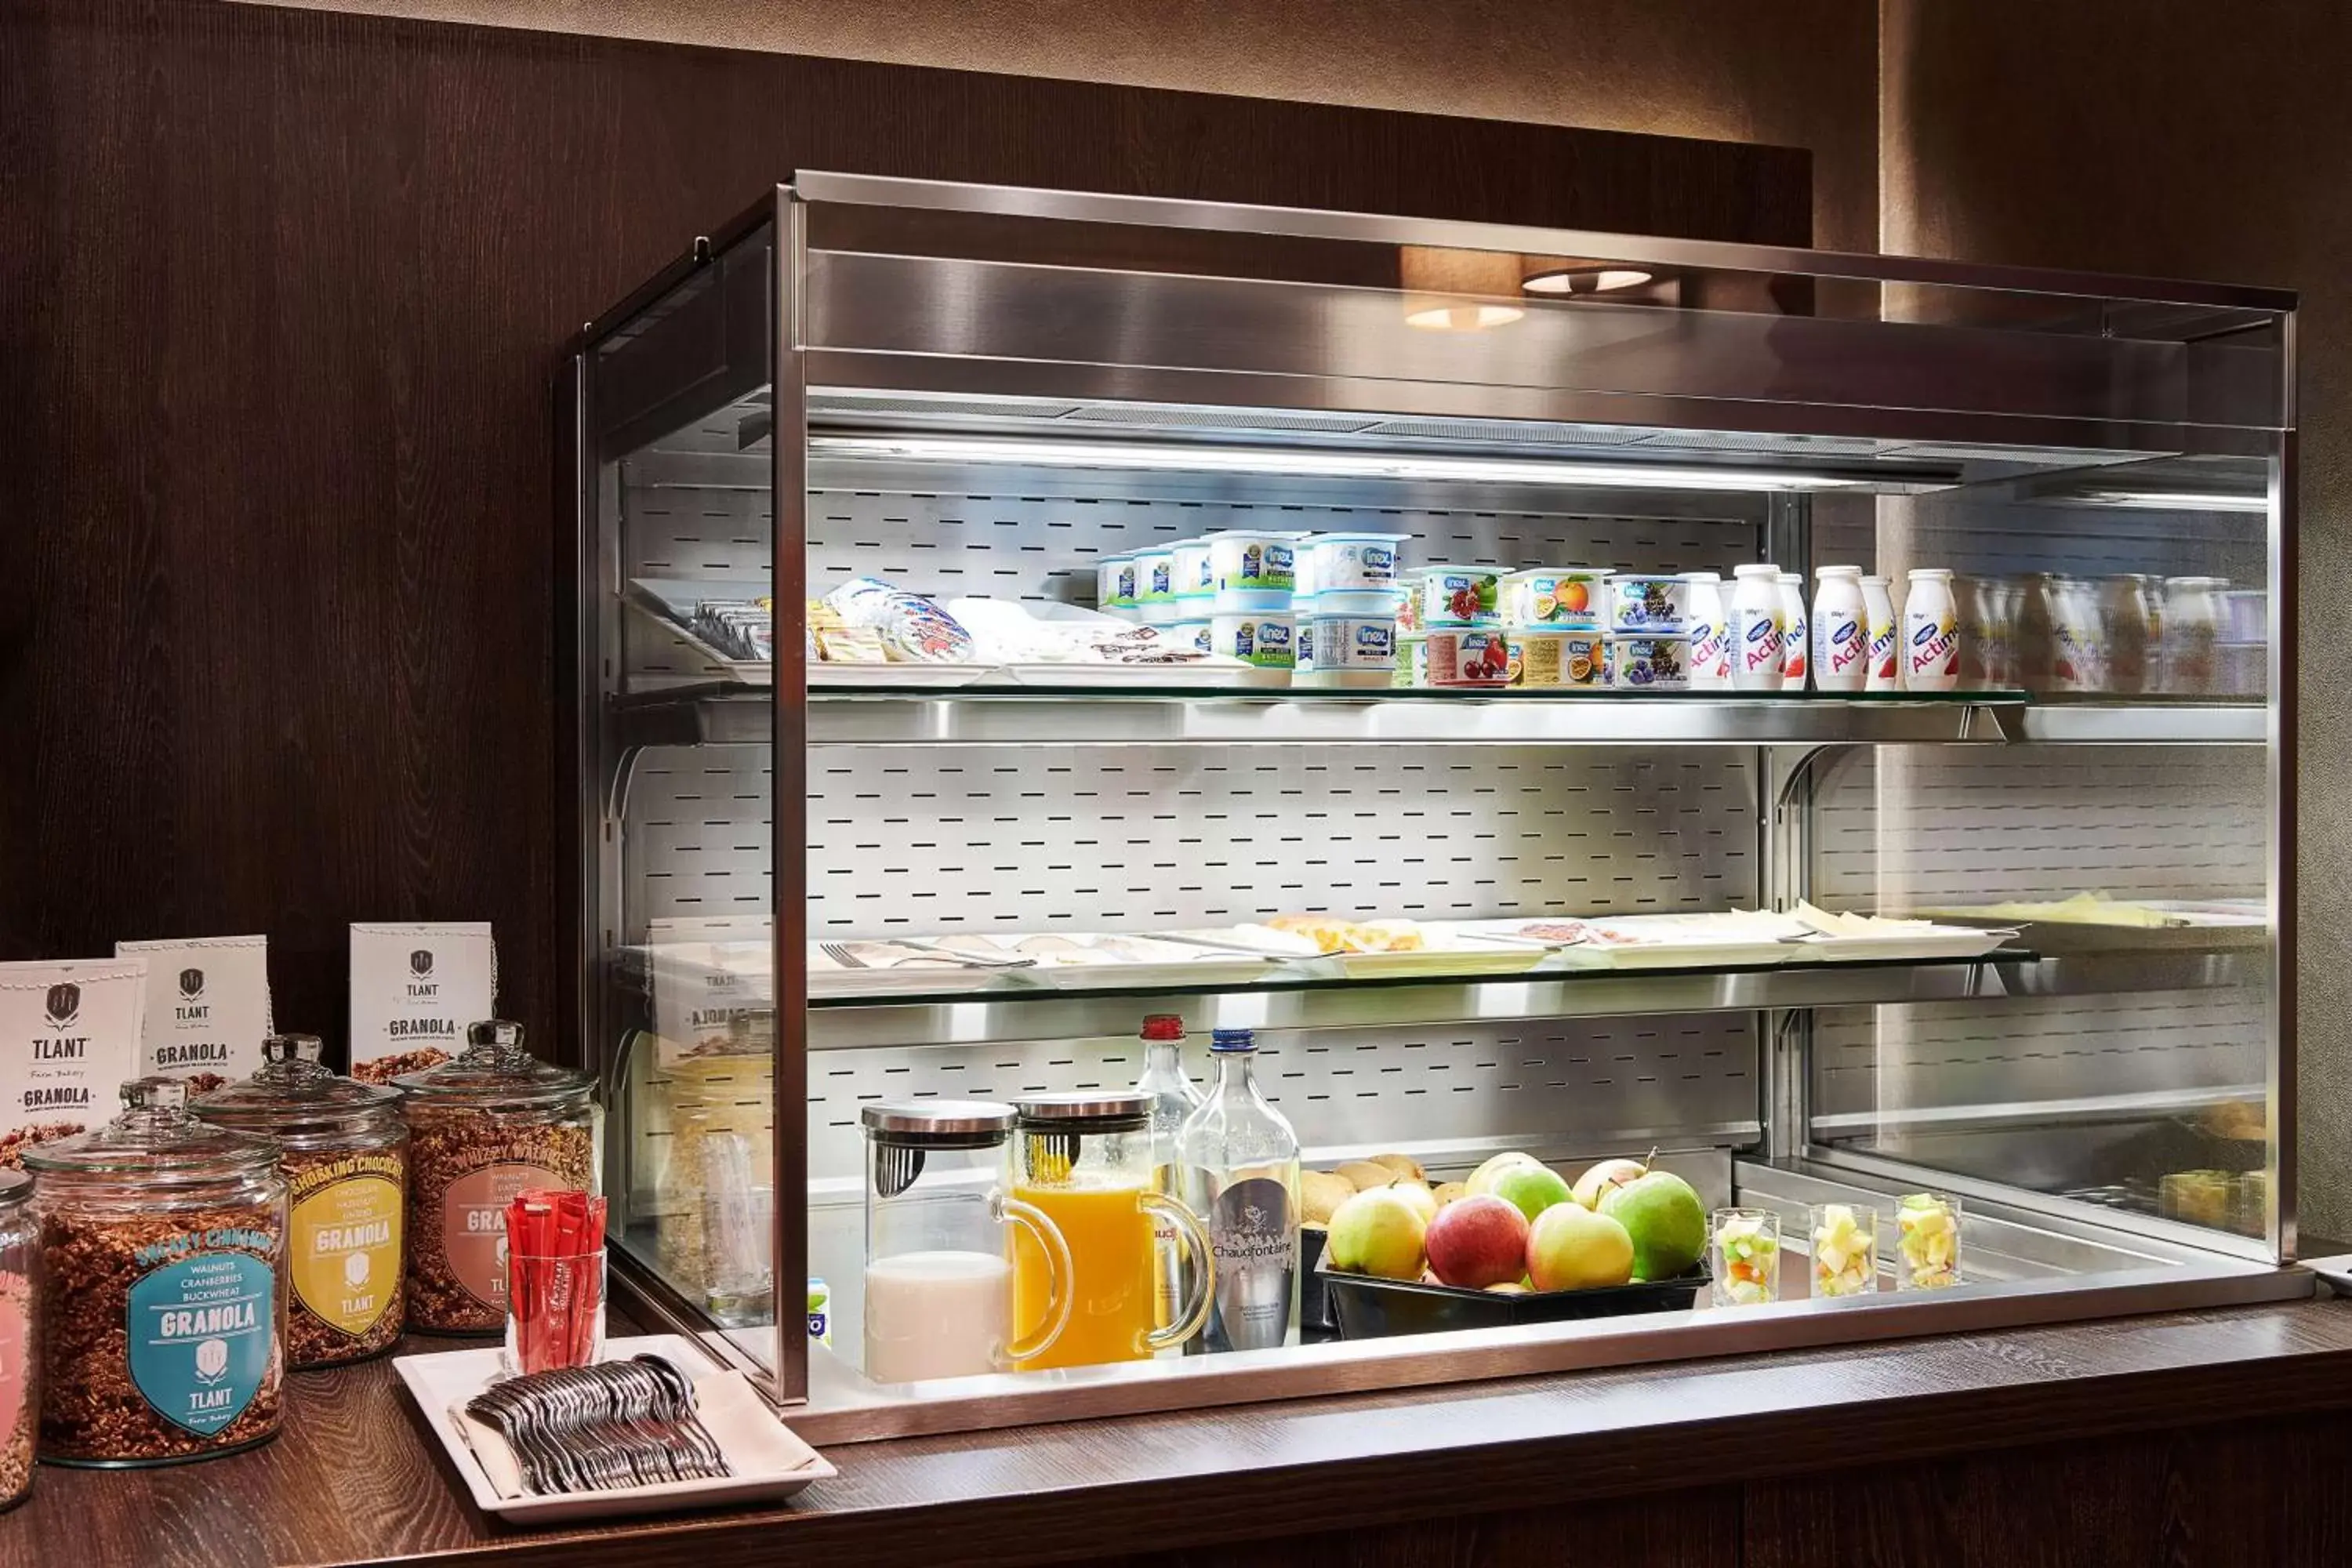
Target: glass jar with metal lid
(492,1123)
(345,1161)
(20,1340)
(162,1285)
(1084,1161)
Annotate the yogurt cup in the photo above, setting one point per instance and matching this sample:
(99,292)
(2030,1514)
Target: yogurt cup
(1155,585)
(1554,596)
(1411,661)
(1647,602)
(1469,656)
(1454,597)
(1352,642)
(1554,656)
(1264,638)
(1188,634)
(1253,571)
(1115,584)
(1649,663)
(1192,577)
(1354,563)
(1305,648)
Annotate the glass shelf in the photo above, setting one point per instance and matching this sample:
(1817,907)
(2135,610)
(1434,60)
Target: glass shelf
(727,714)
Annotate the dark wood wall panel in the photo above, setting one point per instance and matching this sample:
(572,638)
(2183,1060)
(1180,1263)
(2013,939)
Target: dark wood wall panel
(280,296)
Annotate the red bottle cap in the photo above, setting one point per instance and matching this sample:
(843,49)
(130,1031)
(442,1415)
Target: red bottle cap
(1164,1026)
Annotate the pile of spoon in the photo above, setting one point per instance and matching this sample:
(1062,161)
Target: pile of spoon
(596,1429)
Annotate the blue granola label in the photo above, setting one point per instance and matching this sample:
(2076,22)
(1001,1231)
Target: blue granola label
(200,1333)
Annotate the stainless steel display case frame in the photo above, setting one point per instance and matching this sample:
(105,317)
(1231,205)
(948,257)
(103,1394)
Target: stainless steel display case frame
(904,312)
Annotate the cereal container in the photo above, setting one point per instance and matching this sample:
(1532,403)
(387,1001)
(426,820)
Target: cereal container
(488,1125)
(345,1161)
(162,1285)
(20,1340)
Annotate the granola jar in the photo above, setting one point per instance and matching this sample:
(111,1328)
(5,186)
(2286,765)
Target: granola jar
(162,1285)
(493,1122)
(20,1342)
(345,1160)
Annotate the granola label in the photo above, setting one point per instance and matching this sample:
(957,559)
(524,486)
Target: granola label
(207,1008)
(199,1334)
(474,1226)
(69,1039)
(415,990)
(345,1247)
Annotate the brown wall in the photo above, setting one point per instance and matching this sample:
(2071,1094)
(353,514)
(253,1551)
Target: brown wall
(1795,73)
(2176,139)
(281,299)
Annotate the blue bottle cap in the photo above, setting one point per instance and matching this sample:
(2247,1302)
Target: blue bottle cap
(1232,1040)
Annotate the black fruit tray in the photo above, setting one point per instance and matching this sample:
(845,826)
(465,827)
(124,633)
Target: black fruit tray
(1368,1309)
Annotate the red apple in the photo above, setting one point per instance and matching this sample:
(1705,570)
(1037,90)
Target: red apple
(1477,1242)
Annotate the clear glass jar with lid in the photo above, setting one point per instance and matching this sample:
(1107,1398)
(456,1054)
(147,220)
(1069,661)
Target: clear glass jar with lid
(345,1160)
(492,1123)
(162,1285)
(20,1340)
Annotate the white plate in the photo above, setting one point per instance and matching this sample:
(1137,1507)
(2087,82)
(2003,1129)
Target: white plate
(1914,946)
(441,1382)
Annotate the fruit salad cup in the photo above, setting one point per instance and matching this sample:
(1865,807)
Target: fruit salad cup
(1746,1248)
(1844,1242)
(1927,1242)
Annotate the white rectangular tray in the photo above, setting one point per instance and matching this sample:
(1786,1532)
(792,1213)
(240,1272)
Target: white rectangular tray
(440,1382)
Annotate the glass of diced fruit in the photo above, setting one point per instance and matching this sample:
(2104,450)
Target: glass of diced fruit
(1746,1248)
(1926,1241)
(1844,1240)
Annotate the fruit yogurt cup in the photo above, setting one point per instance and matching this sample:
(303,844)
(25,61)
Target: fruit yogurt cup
(1468,657)
(1649,663)
(1253,571)
(1411,661)
(1648,603)
(1188,634)
(1454,597)
(1352,642)
(1546,656)
(1568,596)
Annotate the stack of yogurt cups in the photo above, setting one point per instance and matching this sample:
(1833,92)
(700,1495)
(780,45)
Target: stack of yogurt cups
(1451,627)
(1350,597)
(1551,617)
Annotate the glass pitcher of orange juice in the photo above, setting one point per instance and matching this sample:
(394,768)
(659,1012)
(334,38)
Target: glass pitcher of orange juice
(1084,1161)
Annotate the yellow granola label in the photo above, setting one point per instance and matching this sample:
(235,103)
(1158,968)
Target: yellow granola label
(346,1240)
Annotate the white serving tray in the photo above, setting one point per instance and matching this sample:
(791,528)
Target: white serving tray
(770,1464)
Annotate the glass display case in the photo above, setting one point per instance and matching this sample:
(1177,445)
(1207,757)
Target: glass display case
(887,801)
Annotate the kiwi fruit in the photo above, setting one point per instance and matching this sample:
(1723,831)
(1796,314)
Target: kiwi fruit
(1321,1193)
(1447,1191)
(1404,1166)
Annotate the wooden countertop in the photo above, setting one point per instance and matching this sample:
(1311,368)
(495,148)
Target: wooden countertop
(355,1478)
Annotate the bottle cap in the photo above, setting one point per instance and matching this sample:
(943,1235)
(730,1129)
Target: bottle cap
(1233,1040)
(1164,1026)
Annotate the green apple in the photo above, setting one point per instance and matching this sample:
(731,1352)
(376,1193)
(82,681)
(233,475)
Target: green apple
(1668,1224)
(1482,1180)
(1570,1248)
(1379,1233)
(1531,1189)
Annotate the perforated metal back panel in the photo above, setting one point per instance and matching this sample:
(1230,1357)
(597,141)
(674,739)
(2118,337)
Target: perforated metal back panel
(1536,1085)
(1937,826)
(695,836)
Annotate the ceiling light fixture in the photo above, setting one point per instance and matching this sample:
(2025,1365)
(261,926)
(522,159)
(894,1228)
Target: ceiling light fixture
(1184,459)
(1582,280)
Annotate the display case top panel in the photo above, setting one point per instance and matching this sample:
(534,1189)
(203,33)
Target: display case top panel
(967,305)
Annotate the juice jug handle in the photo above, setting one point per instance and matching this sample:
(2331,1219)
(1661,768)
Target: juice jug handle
(1204,1270)
(1060,1278)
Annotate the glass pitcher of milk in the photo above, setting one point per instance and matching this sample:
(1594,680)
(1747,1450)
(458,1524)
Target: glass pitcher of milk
(938,1270)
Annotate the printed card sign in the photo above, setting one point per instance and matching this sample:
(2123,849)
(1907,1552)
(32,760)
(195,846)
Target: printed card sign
(69,1040)
(709,996)
(207,1008)
(414,990)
